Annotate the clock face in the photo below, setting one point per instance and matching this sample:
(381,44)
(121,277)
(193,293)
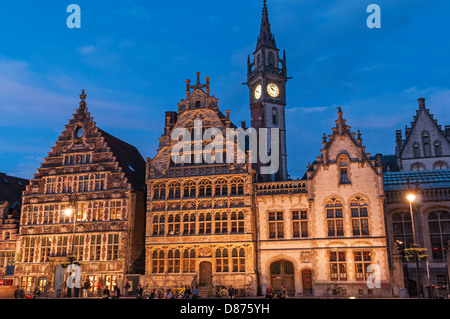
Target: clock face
(258,91)
(273,90)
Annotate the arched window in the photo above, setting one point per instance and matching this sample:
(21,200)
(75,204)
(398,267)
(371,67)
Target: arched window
(426,144)
(237,222)
(158,225)
(360,221)
(335,219)
(159,191)
(204,188)
(238,260)
(402,228)
(173,224)
(204,223)
(440,165)
(221,187)
(343,162)
(189,189)
(439,223)
(237,186)
(173,261)
(189,260)
(189,224)
(221,223)
(157,261)
(417,166)
(222,261)
(174,190)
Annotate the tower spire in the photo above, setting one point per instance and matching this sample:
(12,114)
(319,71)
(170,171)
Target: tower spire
(266,38)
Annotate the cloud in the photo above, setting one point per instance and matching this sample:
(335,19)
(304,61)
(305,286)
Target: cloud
(88,49)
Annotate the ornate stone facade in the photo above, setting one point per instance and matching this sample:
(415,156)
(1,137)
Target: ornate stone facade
(200,221)
(10,204)
(101,179)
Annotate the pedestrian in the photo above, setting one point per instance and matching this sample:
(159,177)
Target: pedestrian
(116,294)
(139,292)
(195,292)
(86,287)
(126,287)
(169,294)
(187,292)
(106,293)
(231,292)
(269,292)
(19,293)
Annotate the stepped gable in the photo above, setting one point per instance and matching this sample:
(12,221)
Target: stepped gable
(81,138)
(343,141)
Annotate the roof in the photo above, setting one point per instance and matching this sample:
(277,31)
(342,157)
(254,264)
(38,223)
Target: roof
(426,179)
(11,188)
(129,158)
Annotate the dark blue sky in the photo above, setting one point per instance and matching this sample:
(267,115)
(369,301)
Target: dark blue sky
(132,57)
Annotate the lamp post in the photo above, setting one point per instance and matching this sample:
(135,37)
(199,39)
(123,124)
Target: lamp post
(411,198)
(72,210)
(414,251)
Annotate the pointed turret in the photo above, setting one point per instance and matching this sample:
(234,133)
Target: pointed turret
(266,38)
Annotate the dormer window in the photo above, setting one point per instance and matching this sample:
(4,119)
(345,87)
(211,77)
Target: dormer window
(197,104)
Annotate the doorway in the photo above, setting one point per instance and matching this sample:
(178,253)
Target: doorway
(307,282)
(282,273)
(205,273)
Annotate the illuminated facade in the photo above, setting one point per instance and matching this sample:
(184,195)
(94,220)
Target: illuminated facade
(185,220)
(103,176)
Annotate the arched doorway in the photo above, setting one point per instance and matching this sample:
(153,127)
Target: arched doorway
(307,282)
(282,273)
(205,273)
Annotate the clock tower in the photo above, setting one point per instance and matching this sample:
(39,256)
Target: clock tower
(266,80)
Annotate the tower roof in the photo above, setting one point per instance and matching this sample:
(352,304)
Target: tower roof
(266,38)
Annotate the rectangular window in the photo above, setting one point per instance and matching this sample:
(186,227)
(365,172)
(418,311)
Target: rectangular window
(95,247)
(344,176)
(78,247)
(276,225)
(338,266)
(115,210)
(46,245)
(113,247)
(62,246)
(100,182)
(51,185)
(362,261)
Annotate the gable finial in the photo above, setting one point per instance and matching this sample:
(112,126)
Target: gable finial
(83,95)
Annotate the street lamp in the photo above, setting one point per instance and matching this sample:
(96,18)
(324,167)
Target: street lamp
(414,251)
(411,198)
(72,210)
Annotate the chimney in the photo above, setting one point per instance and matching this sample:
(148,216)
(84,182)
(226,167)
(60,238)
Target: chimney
(421,103)
(447,131)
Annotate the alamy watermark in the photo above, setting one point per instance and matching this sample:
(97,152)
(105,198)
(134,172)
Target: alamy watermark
(227,146)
